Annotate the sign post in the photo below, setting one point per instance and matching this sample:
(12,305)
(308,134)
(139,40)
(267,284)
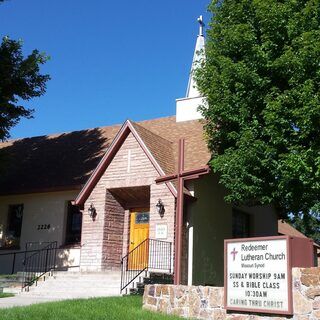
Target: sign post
(258,275)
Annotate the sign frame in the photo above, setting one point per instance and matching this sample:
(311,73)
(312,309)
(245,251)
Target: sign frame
(289,311)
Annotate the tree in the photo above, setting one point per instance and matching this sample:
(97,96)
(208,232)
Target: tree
(20,80)
(261,79)
(308,224)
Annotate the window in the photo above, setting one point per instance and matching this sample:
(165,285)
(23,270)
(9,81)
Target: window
(74,223)
(142,218)
(240,224)
(14,225)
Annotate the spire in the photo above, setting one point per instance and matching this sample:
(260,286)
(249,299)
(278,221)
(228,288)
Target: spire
(187,108)
(198,55)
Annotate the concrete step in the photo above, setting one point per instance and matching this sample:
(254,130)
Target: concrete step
(7,281)
(72,292)
(54,287)
(75,291)
(102,273)
(67,285)
(15,290)
(65,296)
(83,280)
(89,278)
(70,285)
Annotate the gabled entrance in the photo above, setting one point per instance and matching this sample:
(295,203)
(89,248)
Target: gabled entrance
(122,184)
(136,203)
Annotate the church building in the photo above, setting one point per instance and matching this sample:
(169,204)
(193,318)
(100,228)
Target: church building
(131,198)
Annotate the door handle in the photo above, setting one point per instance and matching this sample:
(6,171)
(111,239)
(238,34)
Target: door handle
(132,242)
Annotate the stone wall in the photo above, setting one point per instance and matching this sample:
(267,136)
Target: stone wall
(207,302)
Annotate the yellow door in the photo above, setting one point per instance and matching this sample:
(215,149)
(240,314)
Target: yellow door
(139,248)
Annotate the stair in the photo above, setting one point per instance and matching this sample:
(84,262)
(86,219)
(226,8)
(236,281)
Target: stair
(149,255)
(75,285)
(137,287)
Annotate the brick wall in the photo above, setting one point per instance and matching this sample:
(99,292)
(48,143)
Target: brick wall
(113,233)
(100,241)
(92,233)
(200,302)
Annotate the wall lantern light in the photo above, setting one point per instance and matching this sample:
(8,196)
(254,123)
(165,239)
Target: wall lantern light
(160,208)
(92,212)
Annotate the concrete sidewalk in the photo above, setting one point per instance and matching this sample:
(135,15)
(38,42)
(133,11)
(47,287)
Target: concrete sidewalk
(23,300)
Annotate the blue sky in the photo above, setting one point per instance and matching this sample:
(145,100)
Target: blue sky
(110,60)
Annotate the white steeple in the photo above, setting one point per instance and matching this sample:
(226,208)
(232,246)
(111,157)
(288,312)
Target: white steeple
(187,108)
(198,55)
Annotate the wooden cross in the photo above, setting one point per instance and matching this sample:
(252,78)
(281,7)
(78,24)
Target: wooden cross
(180,176)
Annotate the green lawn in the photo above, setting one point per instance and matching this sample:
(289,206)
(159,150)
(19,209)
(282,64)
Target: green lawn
(8,276)
(6,295)
(119,308)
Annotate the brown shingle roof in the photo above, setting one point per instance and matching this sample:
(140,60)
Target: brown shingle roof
(160,148)
(65,161)
(195,149)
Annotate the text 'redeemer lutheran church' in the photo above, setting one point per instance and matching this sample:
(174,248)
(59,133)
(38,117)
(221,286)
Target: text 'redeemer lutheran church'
(105,193)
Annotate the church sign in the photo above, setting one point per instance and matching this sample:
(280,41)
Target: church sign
(161,231)
(258,275)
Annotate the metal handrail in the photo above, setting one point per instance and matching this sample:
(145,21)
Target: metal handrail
(38,264)
(39,243)
(49,246)
(134,249)
(18,252)
(24,253)
(149,254)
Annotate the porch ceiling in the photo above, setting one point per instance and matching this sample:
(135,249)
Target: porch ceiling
(132,197)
